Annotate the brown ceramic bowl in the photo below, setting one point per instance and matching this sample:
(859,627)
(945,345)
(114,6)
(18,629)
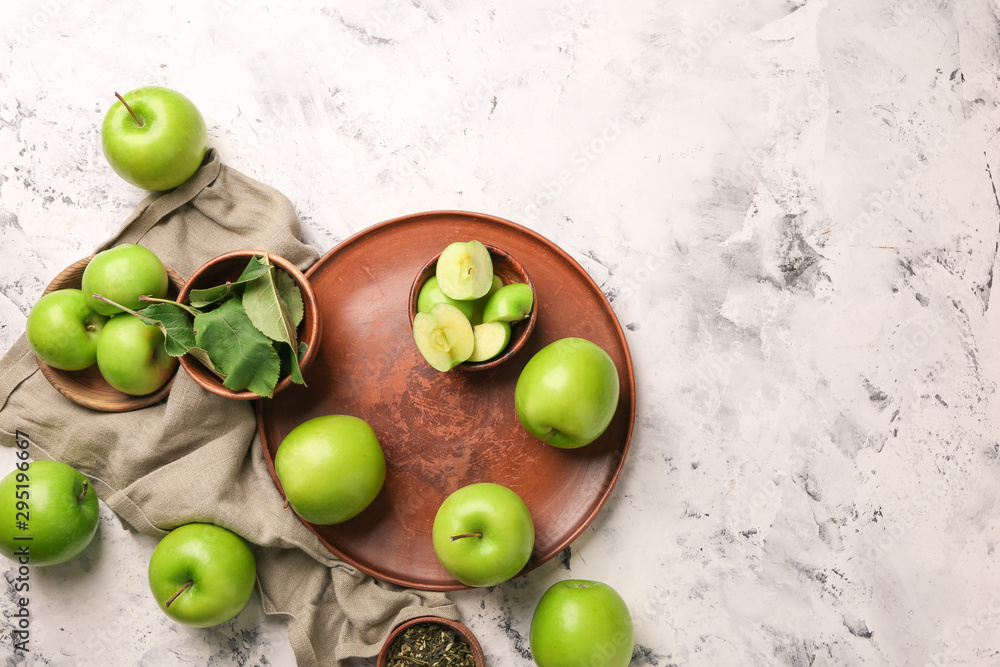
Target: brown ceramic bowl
(87,387)
(460,630)
(229,267)
(510,271)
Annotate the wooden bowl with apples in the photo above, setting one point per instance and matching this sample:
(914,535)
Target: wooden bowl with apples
(484,325)
(88,387)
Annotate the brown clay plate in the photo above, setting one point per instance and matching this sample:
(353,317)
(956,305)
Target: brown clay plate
(442,431)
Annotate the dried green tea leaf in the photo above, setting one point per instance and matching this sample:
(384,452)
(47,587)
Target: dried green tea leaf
(199,298)
(239,351)
(174,322)
(430,645)
(270,313)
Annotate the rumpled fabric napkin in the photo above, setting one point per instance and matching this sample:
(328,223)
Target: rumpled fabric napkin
(197,456)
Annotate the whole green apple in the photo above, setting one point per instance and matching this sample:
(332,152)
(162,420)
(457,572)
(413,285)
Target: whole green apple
(48,513)
(202,574)
(330,468)
(63,330)
(123,274)
(131,356)
(567,393)
(579,623)
(483,534)
(155,138)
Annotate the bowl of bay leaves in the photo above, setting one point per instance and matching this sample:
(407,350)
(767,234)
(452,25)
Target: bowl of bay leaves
(430,640)
(256,325)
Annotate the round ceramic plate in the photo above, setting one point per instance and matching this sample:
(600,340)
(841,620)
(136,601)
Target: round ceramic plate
(442,431)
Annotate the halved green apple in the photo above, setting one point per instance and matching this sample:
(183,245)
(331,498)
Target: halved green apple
(490,339)
(510,303)
(444,336)
(479,304)
(465,270)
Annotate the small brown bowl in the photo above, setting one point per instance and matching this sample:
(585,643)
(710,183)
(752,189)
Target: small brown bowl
(459,629)
(510,271)
(229,267)
(87,387)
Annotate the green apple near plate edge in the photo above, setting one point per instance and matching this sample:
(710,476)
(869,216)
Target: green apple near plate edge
(123,274)
(153,137)
(330,468)
(567,393)
(201,574)
(63,330)
(581,623)
(483,534)
(131,356)
(58,507)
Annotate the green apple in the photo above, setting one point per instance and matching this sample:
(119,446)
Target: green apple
(330,468)
(430,295)
(155,138)
(444,336)
(63,330)
(131,356)
(490,338)
(509,304)
(483,534)
(123,274)
(580,623)
(201,574)
(567,393)
(465,270)
(48,513)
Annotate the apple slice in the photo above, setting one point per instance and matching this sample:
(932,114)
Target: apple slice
(444,336)
(431,295)
(465,270)
(510,303)
(490,338)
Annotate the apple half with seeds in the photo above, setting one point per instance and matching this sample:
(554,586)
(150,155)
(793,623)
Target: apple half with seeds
(444,336)
(465,270)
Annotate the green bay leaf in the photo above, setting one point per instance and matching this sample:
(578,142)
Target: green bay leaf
(174,322)
(271,314)
(239,351)
(256,267)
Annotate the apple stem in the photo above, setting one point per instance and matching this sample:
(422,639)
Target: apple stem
(186,586)
(548,435)
(286,505)
(86,487)
(137,119)
(105,299)
(458,537)
(152,299)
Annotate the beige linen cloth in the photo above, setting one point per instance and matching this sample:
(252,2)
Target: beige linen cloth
(197,456)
